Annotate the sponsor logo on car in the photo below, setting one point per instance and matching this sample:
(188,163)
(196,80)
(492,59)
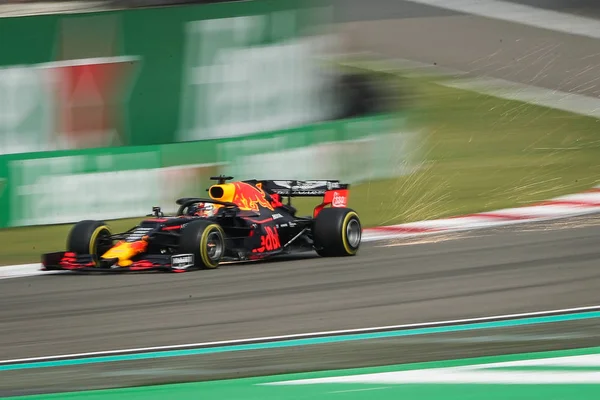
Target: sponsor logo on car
(138,234)
(300,185)
(338,200)
(249,198)
(269,241)
(182,261)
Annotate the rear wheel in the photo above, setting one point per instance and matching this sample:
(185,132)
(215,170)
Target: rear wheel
(89,237)
(337,232)
(206,241)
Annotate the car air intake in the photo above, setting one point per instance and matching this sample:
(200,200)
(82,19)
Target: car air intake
(216,192)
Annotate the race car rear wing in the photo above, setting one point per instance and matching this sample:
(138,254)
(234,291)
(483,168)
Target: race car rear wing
(334,192)
(297,188)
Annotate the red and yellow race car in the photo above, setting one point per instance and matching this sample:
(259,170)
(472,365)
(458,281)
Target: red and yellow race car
(239,221)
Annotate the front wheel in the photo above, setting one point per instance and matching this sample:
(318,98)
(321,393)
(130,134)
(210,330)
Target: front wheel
(90,237)
(206,241)
(337,232)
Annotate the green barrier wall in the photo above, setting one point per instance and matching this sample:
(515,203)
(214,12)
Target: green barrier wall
(104,115)
(107,183)
(160,75)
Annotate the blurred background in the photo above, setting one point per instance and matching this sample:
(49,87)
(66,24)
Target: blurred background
(426,110)
(166,94)
(94,96)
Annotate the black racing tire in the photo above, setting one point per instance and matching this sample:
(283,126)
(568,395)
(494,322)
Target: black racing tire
(89,237)
(206,241)
(337,232)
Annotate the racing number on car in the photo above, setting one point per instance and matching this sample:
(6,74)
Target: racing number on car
(269,241)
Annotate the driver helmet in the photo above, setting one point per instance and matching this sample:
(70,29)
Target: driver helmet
(204,209)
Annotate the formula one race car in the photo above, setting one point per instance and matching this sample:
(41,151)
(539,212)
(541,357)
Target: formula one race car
(241,221)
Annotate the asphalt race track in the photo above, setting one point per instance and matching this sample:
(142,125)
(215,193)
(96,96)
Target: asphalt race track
(501,271)
(353,354)
(523,268)
(464,275)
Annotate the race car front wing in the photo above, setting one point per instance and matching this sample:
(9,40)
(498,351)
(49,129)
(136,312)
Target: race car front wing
(69,261)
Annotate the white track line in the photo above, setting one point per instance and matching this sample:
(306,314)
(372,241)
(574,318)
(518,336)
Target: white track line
(522,14)
(377,235)
(306,335)
(24,270)
(570,102)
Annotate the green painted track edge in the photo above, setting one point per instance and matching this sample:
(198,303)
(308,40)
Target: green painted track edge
(301,342)
(169,388)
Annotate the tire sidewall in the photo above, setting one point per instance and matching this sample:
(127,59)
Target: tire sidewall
(349,217)
(194,240)
(83,237)
(330,232)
